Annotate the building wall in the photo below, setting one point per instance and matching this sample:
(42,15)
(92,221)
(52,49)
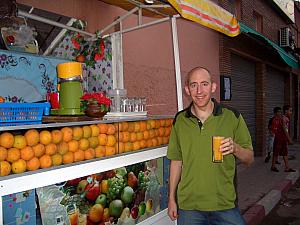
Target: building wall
(147,53)
(264,55)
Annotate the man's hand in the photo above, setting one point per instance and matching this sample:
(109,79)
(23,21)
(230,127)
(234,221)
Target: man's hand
(172,210)
(227,146)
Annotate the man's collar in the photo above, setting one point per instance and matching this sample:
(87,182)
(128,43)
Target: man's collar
(216,112)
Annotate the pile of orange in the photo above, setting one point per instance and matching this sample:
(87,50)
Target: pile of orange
(35,149)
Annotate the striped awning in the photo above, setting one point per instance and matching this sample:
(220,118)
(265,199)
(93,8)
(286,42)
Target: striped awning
(208,14)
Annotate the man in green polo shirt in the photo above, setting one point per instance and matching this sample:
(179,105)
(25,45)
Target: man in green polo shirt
(201,191)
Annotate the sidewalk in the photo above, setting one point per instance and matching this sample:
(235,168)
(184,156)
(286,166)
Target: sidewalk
(259,189)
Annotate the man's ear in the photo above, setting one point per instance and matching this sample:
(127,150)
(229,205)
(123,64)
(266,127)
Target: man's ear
(213,87)
(187,91)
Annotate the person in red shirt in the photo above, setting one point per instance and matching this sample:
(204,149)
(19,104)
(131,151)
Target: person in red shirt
(280,125)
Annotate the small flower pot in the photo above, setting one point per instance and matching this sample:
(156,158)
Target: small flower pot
(93,110)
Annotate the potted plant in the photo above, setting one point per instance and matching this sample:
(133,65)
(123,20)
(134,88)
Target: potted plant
(95,104)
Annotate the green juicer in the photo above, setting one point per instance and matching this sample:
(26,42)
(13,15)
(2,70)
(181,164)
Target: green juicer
(70,89)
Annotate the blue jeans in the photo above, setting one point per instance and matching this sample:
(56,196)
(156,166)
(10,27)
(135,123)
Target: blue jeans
(222,217)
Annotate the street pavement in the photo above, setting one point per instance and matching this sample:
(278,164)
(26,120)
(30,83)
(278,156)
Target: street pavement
(260,189)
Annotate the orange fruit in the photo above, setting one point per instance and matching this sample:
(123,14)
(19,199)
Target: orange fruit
(103,128)
(153,123)
(167,131)
(161,131)
(110,150)
(27,153)
(165,140)
(132,137)
(162,122)
(84,144)
(120,147)
(32,137)
(126,136)
(18,166)
(73,145)
(45,161)
(156,132)
(169,122)
(111,129)
(68,158)
(89,154)
(6,140)
(51,149)
(100,151)
(57,159)
(154,142)
(102,139)
(111,140)
(139,136)
(157,124)
(79,155)
(57,136)
(19,142)
(149,143)
(5,168)
(119,136)
(3,154)
(146,134)
(93,142)
(87,131)
(62,148)
(39,150)
(152,133)
(137,126)
(143,144)
(117,126)
(128,147)
(96,213)
(131,127)
(33,164)
(45,137)
(136,145)
(77,133)
(67,134)
(95,130)
(124,126)
(143,126)
(13,154)
(159,140)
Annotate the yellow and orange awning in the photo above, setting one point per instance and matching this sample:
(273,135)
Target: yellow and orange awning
(207,14)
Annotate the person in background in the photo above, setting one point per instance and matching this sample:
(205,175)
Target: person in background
(201,191)
(271,135)
(280,127)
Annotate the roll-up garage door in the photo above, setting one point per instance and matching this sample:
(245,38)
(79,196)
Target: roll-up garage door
(243,91)
(274,91)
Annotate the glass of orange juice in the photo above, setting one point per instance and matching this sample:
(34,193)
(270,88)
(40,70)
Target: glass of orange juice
(217,155)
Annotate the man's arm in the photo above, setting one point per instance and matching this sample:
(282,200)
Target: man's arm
(175,173)
(228,146)
(245,155)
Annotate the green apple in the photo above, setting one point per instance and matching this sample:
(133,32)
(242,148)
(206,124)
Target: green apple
(127,195)
(101,199)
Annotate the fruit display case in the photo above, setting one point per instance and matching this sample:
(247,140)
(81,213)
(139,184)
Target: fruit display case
(26,180)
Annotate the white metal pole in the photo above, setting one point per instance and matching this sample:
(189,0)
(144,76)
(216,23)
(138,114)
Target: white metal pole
(51,22)
(177,64)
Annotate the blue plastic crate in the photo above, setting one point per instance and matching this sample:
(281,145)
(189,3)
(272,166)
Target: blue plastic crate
(23,112)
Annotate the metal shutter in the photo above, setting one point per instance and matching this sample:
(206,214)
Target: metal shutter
(243,91)
(274,92)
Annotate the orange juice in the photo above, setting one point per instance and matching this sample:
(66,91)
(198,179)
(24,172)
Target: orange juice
(217,154)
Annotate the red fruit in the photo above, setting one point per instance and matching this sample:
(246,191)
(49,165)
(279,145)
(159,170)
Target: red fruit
(134,212)
(93,192)
(132,180)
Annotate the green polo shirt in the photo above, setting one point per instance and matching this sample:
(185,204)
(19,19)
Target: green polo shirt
(205,185)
